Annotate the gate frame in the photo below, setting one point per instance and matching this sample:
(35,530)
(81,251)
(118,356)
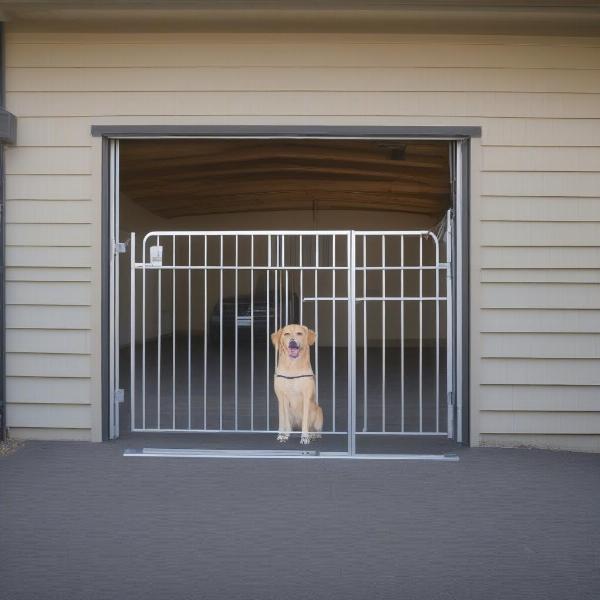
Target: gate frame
(461,137)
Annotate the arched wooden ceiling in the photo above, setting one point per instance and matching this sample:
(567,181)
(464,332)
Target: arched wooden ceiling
(178,178)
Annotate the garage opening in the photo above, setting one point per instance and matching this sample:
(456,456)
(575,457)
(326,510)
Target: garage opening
(224,241)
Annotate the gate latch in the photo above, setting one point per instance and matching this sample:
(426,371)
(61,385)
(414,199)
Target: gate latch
(120,247)
(119,396)
(156,256)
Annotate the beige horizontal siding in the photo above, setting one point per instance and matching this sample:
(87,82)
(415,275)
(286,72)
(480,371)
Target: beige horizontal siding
(47,187)
(542,398)
(49,234)
(51,433)
(48,340)
(121,51)
(48,390)
(71,416)
(266,78)
(63,293)
(275,102)
(528,257)
(541,276)
(535,345)
(540,371)
(535,290)
(536,422)
(49,161)
(48,211)
(505,234)
(548,184)
(39,256)
(527,208)
(36,364)
(48,317)
(540,321)
(48,274)
(540,295)
(561,159)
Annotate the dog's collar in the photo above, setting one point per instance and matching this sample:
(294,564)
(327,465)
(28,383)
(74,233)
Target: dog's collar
(294,376)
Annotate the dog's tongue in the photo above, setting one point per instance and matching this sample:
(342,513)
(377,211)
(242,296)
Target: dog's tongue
(293,350)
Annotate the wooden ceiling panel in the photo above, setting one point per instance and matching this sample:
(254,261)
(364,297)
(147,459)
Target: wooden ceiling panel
(178,178)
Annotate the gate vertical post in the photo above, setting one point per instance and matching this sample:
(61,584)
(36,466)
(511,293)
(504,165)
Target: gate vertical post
(449,330)
(351,253)
(132,334)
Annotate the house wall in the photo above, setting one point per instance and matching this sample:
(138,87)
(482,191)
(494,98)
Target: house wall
(535,297)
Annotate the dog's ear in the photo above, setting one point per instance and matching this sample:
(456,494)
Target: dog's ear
(275,337)
(311,337)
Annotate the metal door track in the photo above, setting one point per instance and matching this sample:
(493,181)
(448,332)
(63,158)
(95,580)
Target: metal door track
(310,454)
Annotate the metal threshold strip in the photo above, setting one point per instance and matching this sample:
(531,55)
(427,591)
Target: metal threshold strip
(305,454)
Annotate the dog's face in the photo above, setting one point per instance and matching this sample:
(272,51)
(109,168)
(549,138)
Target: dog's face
(293,340)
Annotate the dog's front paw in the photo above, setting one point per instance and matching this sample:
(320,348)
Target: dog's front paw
(283,437)
(305,438)
(315,435)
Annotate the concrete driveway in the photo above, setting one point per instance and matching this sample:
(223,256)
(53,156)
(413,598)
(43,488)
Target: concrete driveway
(81,521)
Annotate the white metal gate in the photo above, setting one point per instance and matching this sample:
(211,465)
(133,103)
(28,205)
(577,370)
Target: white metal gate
(204,303)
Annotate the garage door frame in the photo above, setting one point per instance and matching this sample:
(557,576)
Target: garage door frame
(460,135)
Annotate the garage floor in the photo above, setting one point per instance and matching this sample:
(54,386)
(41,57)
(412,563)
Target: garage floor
(80,521)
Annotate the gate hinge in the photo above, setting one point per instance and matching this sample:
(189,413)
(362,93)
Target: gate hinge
(119,396)
(450,398)
(120,247)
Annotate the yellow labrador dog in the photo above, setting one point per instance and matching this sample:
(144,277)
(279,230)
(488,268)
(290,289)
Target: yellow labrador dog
(295,383)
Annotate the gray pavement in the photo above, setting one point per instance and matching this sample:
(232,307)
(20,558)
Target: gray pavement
(79,521)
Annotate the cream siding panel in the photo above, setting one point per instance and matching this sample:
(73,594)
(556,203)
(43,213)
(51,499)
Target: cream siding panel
(48,390)
(47,274)
(474,104)
(547,345)
(47,161)
(48,317)
(52,133)
(540,398)
(560,159)
(547,422)
(540,257)
(538,132)
(541,275)
(57,256)
(48,187)
(49,211)
(284,52)
(541,184)
(536,99)
(196,79)
(540,234)
(540,371)
(47,234)
(48,340)
(54,434)
(540,321)
(568,209)
(48,415)
(48,293)
(540,295)
(47,365)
